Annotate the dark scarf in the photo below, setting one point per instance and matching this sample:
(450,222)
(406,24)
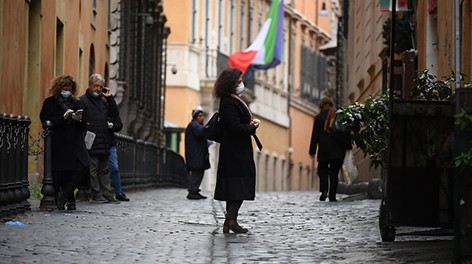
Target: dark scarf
(245,106)
(65,103)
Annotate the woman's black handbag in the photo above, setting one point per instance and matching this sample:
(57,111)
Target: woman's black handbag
(213,128)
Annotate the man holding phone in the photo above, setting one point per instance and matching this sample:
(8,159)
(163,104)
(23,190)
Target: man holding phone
(95,103)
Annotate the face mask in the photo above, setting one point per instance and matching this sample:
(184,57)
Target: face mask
(66,94)
(240,88)
(95,94)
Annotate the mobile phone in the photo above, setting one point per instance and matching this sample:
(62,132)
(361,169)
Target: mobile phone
(105,90)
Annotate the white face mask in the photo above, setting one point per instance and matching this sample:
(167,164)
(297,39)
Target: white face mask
(240,88)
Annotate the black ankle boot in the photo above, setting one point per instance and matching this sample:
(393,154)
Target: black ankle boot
(61,201)
(71,207)
(323,196)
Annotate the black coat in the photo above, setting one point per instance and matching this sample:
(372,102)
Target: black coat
(113,117)
(68,146)
(236,176)
(196,147)
(96,114)
(328,145)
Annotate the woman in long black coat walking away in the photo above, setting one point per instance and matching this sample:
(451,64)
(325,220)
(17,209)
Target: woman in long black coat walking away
(236,176)
(70,159)
(331,145)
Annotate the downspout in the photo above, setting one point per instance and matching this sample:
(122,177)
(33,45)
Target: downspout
(207,27)
(457,44)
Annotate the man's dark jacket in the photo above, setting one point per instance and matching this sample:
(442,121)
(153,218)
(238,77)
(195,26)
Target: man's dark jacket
(196,147)
(96,114)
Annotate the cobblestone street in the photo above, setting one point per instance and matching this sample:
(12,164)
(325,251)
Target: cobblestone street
(161,226)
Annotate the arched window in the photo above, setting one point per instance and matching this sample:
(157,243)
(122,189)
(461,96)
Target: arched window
(92,60)
(94,14)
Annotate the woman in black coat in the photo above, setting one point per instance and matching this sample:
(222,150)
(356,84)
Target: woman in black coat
(331,145)
(236,176)
(69,156)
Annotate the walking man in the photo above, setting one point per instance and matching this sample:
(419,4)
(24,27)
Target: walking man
(196,154)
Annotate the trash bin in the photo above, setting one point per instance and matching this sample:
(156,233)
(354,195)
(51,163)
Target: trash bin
(418,176)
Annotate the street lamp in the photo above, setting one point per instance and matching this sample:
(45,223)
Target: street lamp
(174,69)
(323,11)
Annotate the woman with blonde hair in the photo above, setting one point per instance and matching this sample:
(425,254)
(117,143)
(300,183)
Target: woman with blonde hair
(69,156)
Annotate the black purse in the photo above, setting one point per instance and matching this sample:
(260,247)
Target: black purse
(213,128)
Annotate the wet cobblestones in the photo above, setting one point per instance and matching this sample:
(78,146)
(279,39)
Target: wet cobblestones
(161,226)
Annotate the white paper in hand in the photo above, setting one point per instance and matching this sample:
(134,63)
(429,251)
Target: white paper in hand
(89,138)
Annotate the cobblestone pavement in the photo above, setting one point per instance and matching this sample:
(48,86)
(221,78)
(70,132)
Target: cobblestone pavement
(161,226)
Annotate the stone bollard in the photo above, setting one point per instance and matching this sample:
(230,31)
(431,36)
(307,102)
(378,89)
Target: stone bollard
(48,200)
(374,189)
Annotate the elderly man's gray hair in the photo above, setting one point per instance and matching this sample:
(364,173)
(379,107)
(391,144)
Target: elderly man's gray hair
(95,77)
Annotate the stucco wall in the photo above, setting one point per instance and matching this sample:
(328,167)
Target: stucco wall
(30,59)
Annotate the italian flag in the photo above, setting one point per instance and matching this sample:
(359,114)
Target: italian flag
(386,5)
(266,50)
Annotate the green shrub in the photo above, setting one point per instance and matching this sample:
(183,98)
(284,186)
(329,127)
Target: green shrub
(35,191)
(368,122)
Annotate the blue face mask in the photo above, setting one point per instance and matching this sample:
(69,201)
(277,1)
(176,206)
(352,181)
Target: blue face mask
(66,94)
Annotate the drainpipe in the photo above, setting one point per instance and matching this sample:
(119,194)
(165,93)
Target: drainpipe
(207,27)
(457,44)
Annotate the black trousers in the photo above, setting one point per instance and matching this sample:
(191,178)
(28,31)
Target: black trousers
(329,169)
(65,182)
(195,179)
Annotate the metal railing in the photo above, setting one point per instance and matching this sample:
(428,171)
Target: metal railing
(173,171)
(142,165)
(14,184)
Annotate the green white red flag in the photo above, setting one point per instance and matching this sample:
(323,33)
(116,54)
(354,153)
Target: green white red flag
(386,5)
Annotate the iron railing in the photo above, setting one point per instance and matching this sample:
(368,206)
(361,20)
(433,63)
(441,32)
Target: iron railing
(14,190)
(173,171)
(142,165)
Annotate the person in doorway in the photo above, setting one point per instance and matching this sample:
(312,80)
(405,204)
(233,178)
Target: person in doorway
(236,176)
(331,150)
(95,103)
(196,154)
(70,159)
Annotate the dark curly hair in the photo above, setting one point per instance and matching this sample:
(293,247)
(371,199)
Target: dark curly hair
(226,82)
(60,82)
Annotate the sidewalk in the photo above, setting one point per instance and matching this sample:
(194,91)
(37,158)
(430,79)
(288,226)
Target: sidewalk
(161,226)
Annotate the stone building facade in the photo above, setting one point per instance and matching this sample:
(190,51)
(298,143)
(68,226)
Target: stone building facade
(138,35)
